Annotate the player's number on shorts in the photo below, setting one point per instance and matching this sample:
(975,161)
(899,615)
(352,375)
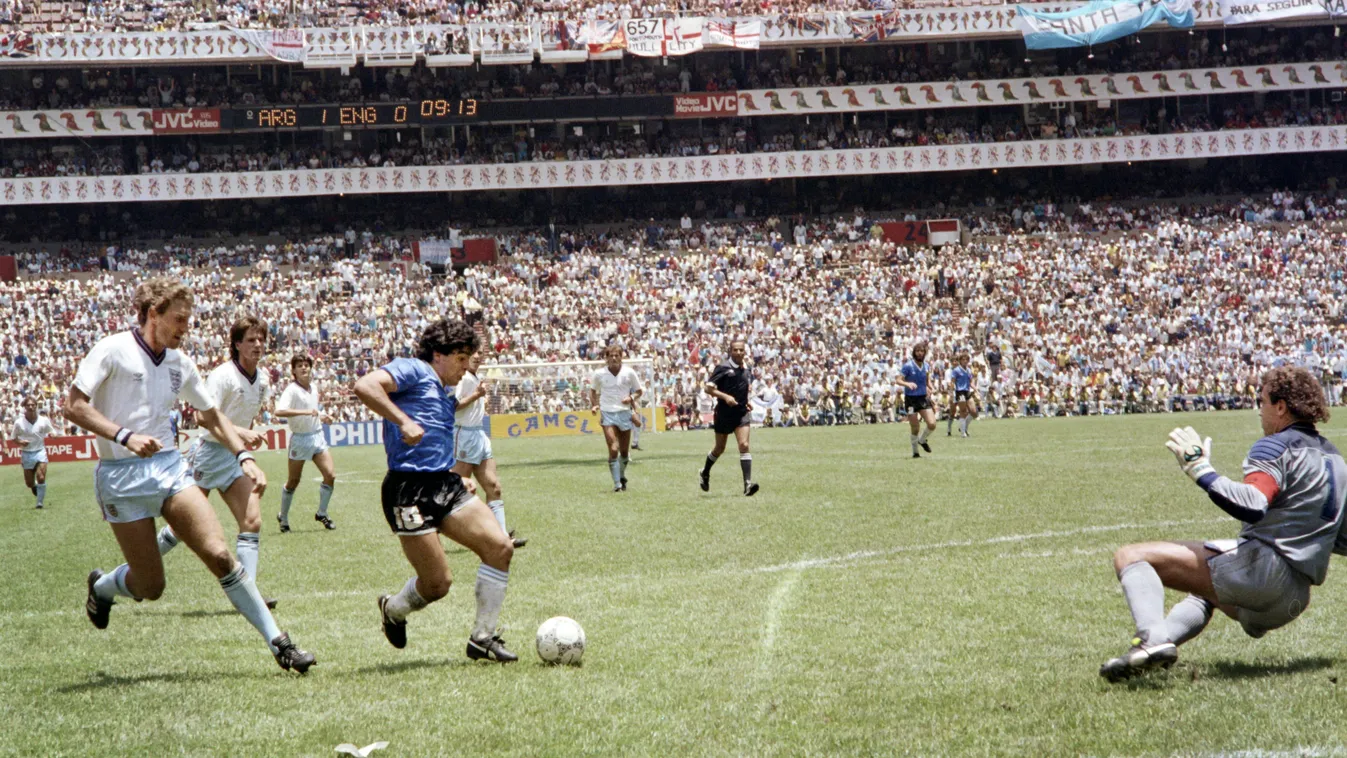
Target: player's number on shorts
(409,518)
(1331,505)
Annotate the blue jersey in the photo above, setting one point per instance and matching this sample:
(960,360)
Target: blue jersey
(421,396)
(915,373)
(963,379)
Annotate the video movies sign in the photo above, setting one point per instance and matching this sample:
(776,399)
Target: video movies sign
(706,105)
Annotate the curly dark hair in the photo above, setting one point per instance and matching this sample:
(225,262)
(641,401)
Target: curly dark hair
(1300,390)
(447,337)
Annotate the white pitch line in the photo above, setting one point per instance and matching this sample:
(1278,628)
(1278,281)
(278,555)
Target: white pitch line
(863,554)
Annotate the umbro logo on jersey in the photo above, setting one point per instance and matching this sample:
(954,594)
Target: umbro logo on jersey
(175,379)
(138,376)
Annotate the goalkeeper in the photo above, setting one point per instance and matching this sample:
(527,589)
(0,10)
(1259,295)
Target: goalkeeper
(1291,506)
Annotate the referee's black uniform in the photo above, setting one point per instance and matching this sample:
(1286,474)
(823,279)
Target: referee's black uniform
(733,380)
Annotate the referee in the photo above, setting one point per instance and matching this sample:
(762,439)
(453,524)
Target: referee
(729,385)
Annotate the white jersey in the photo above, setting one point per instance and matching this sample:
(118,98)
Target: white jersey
(469,414)
(296,398)
(136,389)
(240,397)
(32,435)
(614,389)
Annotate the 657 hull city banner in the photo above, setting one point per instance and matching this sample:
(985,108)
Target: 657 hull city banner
(801,164)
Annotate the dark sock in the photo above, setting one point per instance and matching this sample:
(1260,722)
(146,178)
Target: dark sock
(746,463)
(710,461)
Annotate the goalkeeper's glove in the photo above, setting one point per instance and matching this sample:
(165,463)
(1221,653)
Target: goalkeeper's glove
(1192,452)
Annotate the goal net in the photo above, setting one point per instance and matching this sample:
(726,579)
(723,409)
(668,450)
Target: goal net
(559,387)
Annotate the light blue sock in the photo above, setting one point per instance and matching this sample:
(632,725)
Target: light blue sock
(625,460)
(490,593)
(324,497)
(498,510)
(248,545)
(167,540)
(242,592)
(41,494)
(615,466)
(286,497)
(113,583)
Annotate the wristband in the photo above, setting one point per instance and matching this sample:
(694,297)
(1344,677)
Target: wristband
(122,436)
(244,455)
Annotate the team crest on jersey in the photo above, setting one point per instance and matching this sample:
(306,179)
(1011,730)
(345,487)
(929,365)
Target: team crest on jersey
(175,379)
(111,509)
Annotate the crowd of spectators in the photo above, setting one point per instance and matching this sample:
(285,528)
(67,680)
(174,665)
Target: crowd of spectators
(205,86)
(1185,311)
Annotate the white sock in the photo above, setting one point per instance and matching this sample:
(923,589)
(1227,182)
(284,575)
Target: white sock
(41,492)
(406,601)
(490,597)
(925,433)
(914,443)
(498,510)
(247,547)
(167,540)
(238,586)
(324,497)
(113,583)
(286,497)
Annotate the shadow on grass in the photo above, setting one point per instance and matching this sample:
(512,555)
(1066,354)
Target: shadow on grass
(1247,670)
(404,666)
(100,680)
(600,458)
(208,614)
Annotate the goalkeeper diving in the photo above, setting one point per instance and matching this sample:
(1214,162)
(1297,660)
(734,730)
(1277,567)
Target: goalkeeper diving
(1290,503)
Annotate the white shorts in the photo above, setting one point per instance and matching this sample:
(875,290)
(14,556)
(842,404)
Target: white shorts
(213,466)
(1253,577)
(30,458)
(303,447)
(132,489)
(620,419)
(471,445)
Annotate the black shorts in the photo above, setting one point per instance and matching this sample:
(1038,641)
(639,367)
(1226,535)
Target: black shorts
(962,395)
(417,502)
(916,403)
(726,422)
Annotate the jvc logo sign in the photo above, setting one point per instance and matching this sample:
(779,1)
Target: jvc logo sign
(186,121)
(700,106)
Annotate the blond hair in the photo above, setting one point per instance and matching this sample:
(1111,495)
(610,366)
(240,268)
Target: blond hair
(159,294)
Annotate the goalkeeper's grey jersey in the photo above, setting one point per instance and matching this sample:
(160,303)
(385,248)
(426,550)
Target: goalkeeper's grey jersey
(1292,498)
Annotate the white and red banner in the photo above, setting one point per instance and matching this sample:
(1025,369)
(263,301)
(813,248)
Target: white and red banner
(102,122)
(59,450)
(1044,89)
(633,171)
(644,36)
(285,45)
(745,34)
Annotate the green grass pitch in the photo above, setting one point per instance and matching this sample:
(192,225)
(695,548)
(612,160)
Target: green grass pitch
(862,604)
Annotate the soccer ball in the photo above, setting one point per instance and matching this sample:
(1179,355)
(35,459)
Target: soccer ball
(561,641)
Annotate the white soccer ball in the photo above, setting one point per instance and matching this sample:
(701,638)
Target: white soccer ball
(561,641)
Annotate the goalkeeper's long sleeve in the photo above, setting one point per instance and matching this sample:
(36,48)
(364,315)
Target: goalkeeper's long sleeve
(1247,501)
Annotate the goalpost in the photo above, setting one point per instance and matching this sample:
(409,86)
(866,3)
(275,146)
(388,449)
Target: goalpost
(563,387)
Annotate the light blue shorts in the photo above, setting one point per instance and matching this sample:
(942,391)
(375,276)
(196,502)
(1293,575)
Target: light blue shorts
(471,445)
(30,458)
(620,419)
(303,447)
(213,466)
(132,489)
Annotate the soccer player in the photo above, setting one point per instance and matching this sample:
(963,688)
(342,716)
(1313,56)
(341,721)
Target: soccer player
(915,400)
(30,433)
(1291,505)
(123,392)
(422,496)
(613,393)
(963,397)
(240,390)
(729,385)
(472,446)
(299,405)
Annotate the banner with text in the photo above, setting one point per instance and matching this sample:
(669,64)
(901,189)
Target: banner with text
(104,122)
(512,425)
(1262,11)
(286,45)
(1098,22)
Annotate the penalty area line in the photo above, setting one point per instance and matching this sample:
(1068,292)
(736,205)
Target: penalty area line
(861,555)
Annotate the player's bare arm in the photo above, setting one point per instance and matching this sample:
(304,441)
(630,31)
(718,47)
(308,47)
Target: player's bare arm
(374,389)
(79,411)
